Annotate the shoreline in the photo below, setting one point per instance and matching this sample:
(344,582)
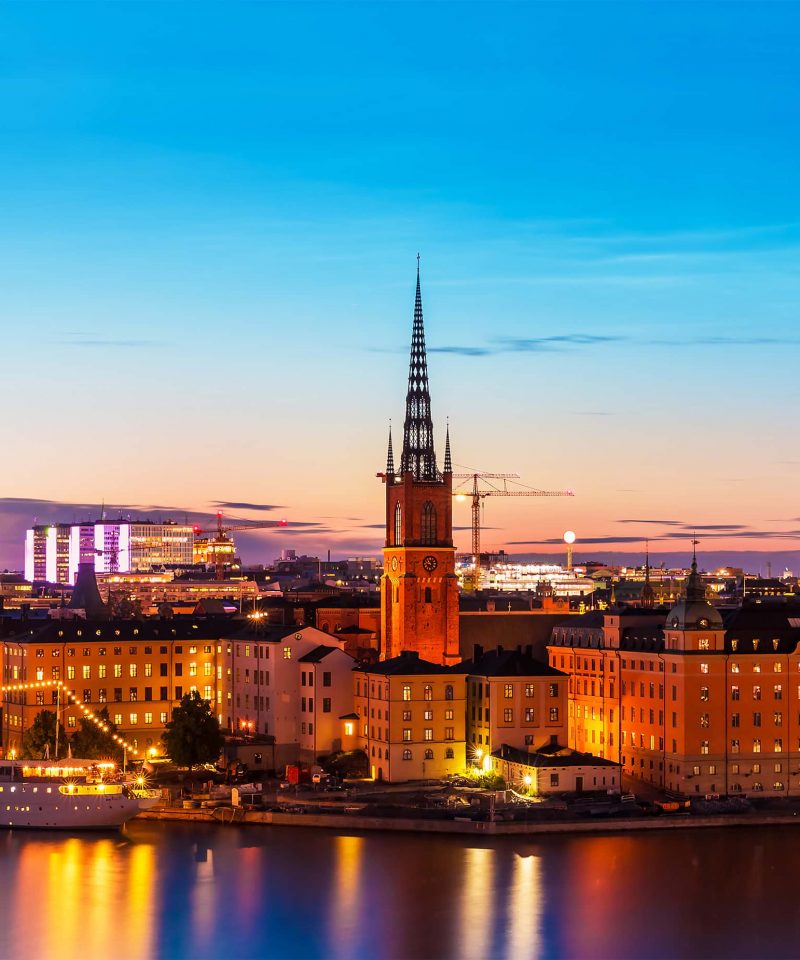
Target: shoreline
(347,822)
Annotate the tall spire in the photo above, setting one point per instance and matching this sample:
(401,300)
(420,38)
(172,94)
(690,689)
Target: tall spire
(695,588)
(418,457)
(390,455)
(648,596)
(448,460)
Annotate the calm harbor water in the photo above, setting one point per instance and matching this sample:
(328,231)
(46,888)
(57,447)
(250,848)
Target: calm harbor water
(227,892)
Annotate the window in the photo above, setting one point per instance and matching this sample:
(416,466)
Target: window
(429,754)
(406,715)
(117,669)
(508,691)
(56,672)
(449,754)
(398,525)
(734,719)
(448,692)
(87,696)
(734,692)
(529,688)
(734,746)
(87,672)
(134,695)
(326,704)
(148,718)
(778,692)
(778,745)
(134,719)
(704,720)
(703,668)
(193,670)
(553,779)
(704,694)
(326,678)
(406,691)
(71,672)
(757,719)
(287,653)
(428,733)
(704,746)
(101,695)
(508,715)
(40,673)
(449,733)
(406,734)
(117,694)
(756,693)
(427,715)
(428,692)
(406,754)
(554,714)
(702,643)
(132,669)
(428,523)
(529,714)
(448,714)
(734,668)
(756,746)
(778,718)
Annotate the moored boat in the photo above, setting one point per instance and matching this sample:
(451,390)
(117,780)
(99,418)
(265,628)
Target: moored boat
(67,795)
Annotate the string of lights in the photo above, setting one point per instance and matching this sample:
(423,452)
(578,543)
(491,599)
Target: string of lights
(70,695)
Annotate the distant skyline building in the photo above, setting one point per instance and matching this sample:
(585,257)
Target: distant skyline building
(53,551)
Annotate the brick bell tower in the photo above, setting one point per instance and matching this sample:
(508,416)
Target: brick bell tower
(419,588)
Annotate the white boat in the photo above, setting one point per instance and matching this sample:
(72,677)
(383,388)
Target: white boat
(67,795)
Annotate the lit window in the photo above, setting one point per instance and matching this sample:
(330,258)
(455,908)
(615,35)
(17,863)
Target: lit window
(428,733)
(407,691)
(508,691)
(287,653)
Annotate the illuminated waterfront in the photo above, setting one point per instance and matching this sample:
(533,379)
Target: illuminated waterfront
(241,893)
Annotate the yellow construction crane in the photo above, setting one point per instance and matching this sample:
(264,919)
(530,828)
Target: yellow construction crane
(222,545)
(478,493)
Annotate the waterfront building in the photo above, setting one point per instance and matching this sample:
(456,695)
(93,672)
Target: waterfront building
(411,713)
(269,689)
(513,700)
(137,669)
(687,699)
(53,551)
(555,770)
(419,587)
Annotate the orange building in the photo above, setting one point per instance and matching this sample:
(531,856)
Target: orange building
(419,588)
(686,701)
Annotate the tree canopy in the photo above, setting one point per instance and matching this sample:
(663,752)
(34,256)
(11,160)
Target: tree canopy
(40,735)
(90,742)
(193,736)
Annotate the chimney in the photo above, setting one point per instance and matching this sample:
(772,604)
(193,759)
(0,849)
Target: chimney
(499,649)
(477,651)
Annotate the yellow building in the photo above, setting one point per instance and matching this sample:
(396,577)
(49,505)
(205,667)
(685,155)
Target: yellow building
(513,700)
(411,716)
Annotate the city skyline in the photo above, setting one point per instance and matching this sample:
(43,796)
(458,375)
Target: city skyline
(208,273)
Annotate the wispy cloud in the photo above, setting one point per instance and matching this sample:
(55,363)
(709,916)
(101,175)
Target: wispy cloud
(244,505)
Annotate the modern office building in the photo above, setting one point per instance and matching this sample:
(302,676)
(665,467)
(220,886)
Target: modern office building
(53,552)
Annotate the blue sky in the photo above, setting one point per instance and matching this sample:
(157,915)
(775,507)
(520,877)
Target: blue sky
(210,214)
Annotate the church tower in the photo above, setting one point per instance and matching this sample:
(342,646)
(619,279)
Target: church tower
(419,589)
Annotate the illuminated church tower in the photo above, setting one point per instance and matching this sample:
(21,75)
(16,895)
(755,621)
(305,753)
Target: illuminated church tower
(419,589)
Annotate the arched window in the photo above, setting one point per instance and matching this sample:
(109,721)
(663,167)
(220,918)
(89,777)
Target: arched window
(429,754)
(406,754)
(448,692)
(428,523)
(428,692)
(398,525)
(448,754)
(428,595)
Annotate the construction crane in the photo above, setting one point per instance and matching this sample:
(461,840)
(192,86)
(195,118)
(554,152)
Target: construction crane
(222,543)
(479,493)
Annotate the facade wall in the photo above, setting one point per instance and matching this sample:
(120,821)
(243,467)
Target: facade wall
(696,718)
(569,778)
(522,712)
(325,697)
(411,727)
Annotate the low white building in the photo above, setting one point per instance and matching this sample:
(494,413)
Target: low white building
(556,770)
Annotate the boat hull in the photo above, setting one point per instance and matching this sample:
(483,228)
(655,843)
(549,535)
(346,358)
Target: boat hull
(31,812)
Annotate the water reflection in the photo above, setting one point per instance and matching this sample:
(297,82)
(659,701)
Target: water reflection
(173,891)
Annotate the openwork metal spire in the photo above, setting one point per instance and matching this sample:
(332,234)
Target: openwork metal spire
(419,457)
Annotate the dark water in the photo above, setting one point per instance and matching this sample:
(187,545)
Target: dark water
(230,892)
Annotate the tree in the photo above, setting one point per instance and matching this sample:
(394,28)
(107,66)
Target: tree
(91,742)
(193,736)
(40,735)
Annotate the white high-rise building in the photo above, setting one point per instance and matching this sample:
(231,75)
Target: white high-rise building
(53,552)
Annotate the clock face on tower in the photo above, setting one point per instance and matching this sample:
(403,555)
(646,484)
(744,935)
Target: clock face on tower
(395,563)
(430,563)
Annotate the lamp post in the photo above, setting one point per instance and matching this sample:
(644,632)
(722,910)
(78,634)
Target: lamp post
(569,539)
